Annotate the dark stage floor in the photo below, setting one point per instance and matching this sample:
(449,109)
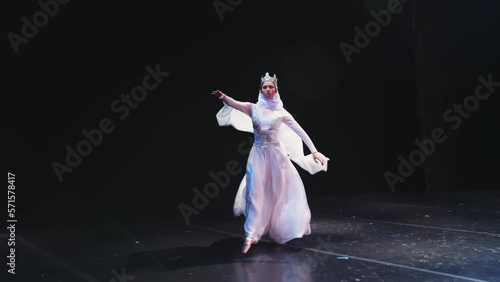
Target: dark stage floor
(359,237)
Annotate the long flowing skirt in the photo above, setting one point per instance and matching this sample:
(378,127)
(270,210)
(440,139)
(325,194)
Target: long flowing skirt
(272,196)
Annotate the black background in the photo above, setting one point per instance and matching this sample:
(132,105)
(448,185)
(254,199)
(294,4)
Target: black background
(361,114)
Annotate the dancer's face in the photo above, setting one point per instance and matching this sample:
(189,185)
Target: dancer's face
(268,89)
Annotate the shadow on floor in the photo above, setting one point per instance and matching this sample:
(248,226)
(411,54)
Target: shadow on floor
(224,251)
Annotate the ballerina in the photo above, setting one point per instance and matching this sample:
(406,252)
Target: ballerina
(271,196)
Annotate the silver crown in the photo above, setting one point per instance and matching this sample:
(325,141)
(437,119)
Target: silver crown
(267,77)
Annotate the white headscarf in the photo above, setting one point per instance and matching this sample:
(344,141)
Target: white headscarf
(274,104)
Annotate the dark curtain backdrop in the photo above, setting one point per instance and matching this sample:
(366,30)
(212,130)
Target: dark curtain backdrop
(362,110)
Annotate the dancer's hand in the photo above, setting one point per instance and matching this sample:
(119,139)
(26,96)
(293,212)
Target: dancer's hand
(219,94)
(317,156)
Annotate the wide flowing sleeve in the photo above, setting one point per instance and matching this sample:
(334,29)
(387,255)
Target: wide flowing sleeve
(241,120)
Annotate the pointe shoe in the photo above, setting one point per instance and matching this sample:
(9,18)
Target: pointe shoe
(247,244)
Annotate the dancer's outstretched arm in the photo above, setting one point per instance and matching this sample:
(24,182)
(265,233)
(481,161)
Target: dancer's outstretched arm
(241,106)
(295,126)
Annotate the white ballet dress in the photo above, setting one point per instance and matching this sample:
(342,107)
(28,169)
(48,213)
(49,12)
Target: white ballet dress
(271,195)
